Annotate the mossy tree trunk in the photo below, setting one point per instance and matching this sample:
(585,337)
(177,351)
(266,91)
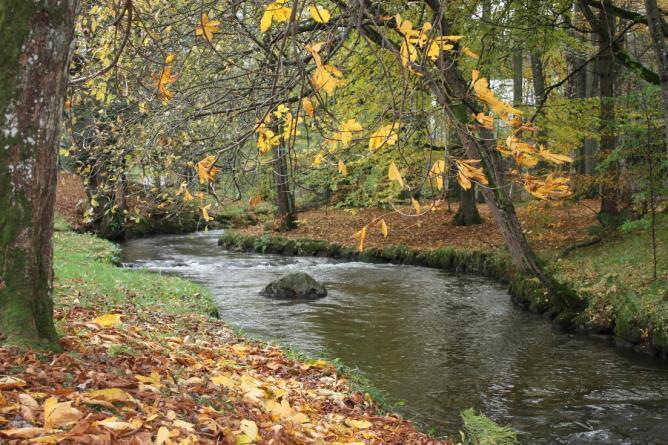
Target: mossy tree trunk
(34,55)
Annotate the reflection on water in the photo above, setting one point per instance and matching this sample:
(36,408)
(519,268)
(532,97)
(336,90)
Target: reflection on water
(438,341)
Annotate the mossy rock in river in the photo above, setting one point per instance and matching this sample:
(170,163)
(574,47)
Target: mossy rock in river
(296,286)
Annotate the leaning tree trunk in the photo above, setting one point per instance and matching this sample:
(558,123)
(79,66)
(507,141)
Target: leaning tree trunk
(656,28)
(452,87)
(34,55)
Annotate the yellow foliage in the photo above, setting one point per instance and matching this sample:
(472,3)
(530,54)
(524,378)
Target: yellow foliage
(206,170)
(436,173)
(360,237)
(308,106)
(325,77)
(342,168)
(207,28)
(385,135)
(394,175)
(481,88)
(205,212)
(319,14)
(468,172)
(274,11)
(166,78)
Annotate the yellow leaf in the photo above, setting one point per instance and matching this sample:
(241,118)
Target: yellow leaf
(205,212)
(113,424)
(327,78)
(467,172)
(21,433)
(385,135)
(319,14)
(274,11)
(470,53)
(8,382)
(166,78)
(553,157)
(224,380)
(207,27)
(162,436)
(394,174)
(183,189)
(345,133)
(58,414)
(317,160)
(108,320)
(464,182)
(360,237)
(109,394)
(359,424)
(416,205)
(342,168)
(436,173)
(250,432)
(383,228)
(308,106)
(170,58)
(51,439)
(206,170)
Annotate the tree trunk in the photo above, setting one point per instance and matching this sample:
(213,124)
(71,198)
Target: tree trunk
(538,75)
(656,26)
(590,144)
(467,213)
(34,56)
(518,78)
(606,84)
(285,201)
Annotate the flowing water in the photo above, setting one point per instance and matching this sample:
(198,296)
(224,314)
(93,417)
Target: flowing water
(434,343)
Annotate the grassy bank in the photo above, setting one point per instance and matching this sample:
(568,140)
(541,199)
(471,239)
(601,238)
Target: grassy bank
(616,278)
(613,276)
(145,363)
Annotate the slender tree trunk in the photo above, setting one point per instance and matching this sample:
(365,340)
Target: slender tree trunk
(656,27)
(606,84)
(285,200)
(34,55)
(538,75)
(590,144)
(518,78)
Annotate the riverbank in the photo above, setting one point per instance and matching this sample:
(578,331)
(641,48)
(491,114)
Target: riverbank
(612,275)
(144,362)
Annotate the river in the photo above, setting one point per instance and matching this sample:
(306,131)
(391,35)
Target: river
(435,343)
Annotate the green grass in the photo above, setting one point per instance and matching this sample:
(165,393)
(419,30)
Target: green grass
(86,269)
(616,277)
(480,430)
